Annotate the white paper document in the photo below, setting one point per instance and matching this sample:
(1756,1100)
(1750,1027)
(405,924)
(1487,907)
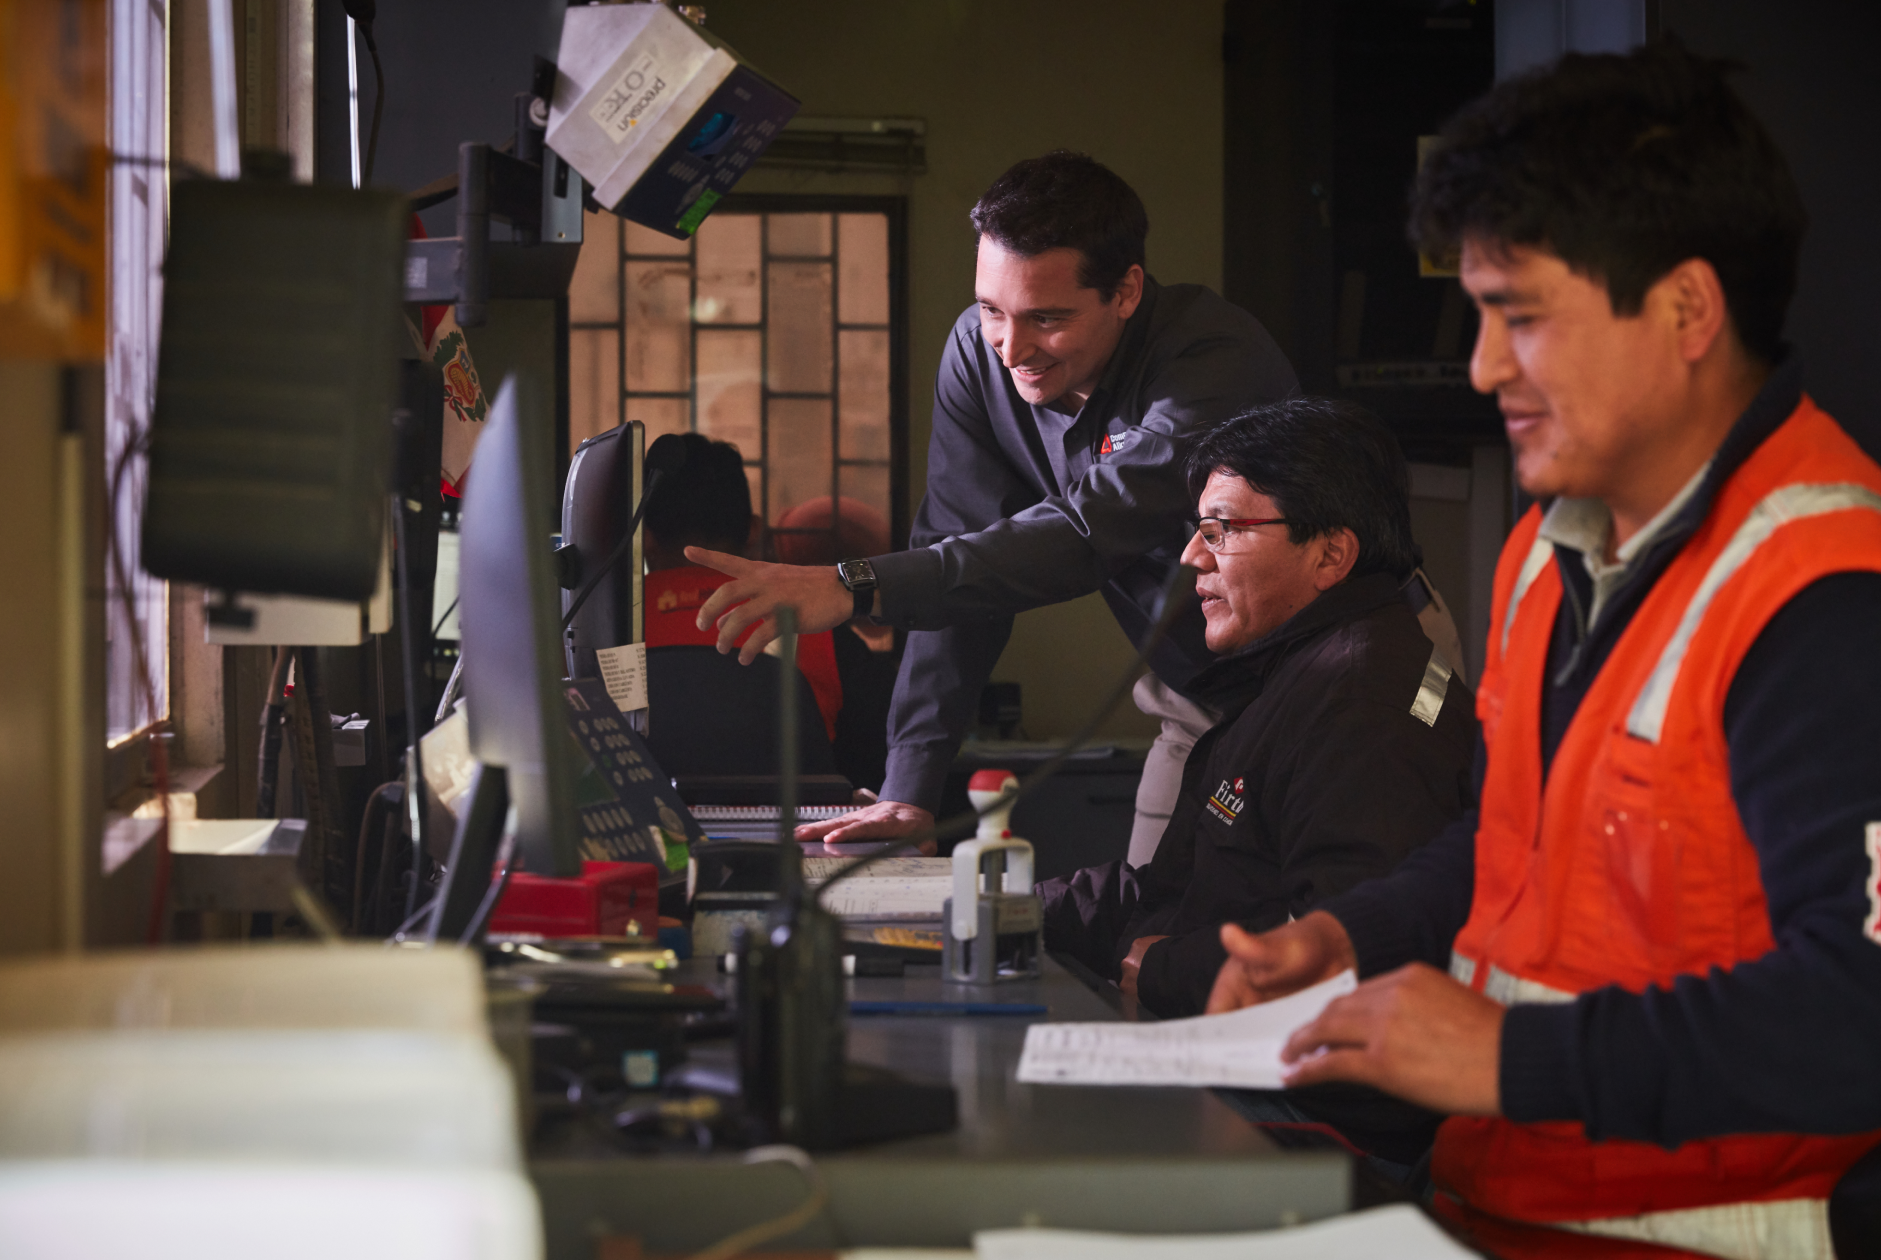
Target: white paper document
(889,897)
(1240,1049)
(818,869)
(624,670)
(1399,1231)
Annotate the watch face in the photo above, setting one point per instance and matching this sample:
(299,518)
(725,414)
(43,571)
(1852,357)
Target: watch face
(856,573)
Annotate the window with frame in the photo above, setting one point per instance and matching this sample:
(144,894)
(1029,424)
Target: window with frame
(778,328)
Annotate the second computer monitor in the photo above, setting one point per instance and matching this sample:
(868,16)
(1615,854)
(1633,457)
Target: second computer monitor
(510,616)
(605,481)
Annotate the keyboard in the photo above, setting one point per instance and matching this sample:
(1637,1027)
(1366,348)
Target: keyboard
(709,814)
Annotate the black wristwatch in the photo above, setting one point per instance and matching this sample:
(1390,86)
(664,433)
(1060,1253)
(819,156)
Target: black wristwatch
(859,577)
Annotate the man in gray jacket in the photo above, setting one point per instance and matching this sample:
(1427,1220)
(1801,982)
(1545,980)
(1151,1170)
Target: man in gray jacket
(1064,405)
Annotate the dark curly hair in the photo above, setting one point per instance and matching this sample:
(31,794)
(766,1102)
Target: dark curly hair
(1066,200)
(1623,167)
(707,502)
(1327,464)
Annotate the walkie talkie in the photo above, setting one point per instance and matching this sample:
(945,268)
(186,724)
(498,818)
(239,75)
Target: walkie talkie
(791,1005)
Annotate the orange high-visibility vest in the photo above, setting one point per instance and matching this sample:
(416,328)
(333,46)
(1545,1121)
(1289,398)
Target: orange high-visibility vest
(1629,865)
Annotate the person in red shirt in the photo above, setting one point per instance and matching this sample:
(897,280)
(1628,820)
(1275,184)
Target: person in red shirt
(707,503)
(868,656)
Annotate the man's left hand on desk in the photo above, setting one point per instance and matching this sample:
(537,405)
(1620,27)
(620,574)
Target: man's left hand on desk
(758,589)
(1414,1032)
(878,820)
(1133,962)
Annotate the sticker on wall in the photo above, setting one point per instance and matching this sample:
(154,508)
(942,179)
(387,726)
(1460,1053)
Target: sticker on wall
(465,406)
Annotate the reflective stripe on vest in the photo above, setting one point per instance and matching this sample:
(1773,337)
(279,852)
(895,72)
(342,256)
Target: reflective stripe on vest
(1463,969)
(1779,507)
(1786,1229)
(1540,552)
(1504,988)
(1430,694)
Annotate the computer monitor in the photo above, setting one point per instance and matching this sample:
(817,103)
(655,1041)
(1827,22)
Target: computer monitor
(511,641)
(605,479)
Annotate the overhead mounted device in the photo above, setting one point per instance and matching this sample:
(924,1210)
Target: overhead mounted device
(658,114)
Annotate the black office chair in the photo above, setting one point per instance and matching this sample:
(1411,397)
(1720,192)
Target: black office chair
(709,715)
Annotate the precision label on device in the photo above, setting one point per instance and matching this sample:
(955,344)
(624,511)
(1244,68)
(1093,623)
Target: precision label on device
(630,96)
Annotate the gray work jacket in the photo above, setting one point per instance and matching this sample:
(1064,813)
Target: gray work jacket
(1028,506)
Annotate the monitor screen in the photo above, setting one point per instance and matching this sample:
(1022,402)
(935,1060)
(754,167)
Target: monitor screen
(508,610)
(604,483)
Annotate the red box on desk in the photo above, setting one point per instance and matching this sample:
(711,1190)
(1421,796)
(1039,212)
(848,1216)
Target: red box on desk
(604,900)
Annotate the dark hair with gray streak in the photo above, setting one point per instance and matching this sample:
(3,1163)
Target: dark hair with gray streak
(1327,465)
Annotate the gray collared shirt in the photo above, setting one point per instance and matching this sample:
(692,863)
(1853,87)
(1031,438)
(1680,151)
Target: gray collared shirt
(1584,525)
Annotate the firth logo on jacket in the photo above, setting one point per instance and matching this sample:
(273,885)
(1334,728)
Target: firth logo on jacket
(1228,800)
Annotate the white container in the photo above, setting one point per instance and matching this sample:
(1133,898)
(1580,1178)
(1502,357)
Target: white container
(422,1099)
(86,1209)
(253,986)
(279,1101)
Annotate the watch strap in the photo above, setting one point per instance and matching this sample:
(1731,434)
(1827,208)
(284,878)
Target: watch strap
(859,577)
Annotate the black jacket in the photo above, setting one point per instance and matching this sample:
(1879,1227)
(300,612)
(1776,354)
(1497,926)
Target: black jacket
(1319,775)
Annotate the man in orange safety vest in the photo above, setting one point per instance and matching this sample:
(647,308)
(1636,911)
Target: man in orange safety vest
(1643,980)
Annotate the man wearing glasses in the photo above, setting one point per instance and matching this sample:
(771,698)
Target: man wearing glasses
(1346,738)
(1067,395)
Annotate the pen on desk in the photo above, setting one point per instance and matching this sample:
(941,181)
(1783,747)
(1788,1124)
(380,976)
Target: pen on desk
(946,1008)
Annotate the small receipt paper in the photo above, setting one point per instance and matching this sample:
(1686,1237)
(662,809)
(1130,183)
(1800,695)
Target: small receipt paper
(624,670)
(1239,1050)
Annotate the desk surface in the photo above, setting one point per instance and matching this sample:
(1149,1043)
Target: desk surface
(1139,1159)
(1001,1117)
